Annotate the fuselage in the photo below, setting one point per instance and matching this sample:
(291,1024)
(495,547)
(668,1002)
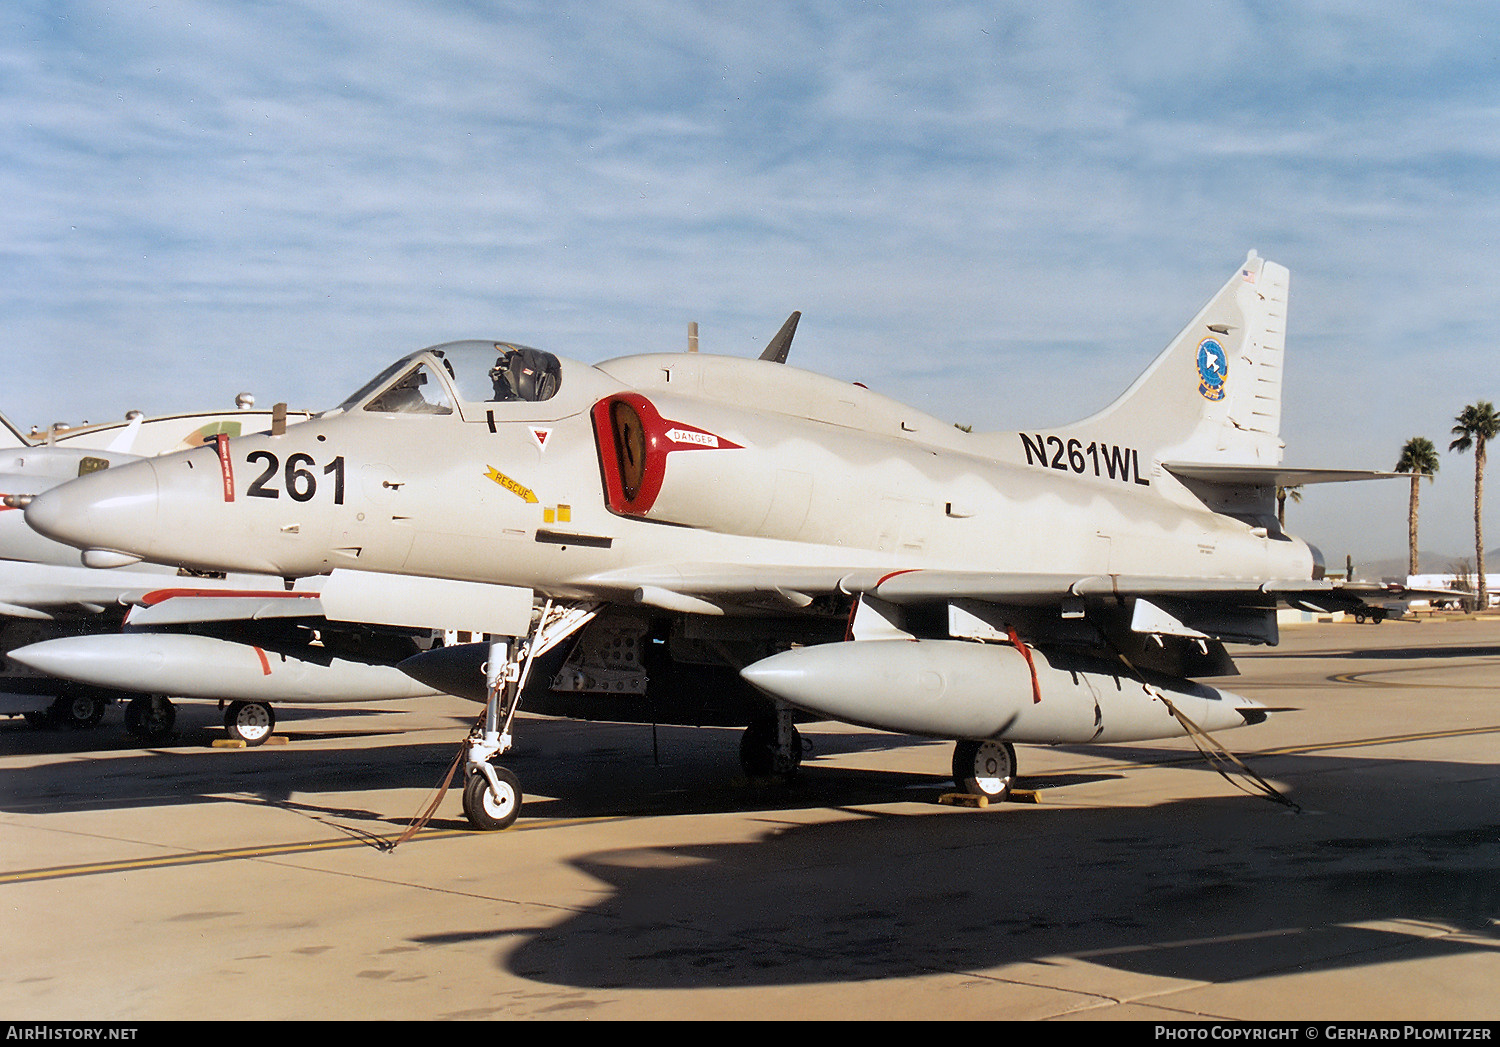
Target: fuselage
(631,468)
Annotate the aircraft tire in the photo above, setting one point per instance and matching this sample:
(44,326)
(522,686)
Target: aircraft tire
(249,722)
(986,768)
(150,717)
(484,811)
(761,757)
(77,711)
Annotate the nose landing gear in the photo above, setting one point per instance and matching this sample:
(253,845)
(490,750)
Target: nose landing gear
(492,793)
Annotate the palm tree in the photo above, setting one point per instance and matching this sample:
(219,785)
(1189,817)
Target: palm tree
(1477,425)
(1420,459)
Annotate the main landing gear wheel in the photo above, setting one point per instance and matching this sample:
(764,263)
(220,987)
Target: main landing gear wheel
(77,711)
(250,722)
(490,810)
(150,717)
(761,755)
(985,769)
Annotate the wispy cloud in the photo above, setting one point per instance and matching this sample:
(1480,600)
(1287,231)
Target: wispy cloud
(998,213)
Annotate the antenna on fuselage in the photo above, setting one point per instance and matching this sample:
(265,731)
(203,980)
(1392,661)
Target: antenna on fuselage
(779,346)
(692,336)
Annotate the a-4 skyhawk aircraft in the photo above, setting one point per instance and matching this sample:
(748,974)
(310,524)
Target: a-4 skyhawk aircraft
(853,558)
(73,640)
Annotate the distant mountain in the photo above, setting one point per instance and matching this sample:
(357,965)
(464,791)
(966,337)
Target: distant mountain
(1394,568)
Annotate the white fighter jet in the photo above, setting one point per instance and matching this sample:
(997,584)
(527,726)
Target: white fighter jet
(699,522)
(73,639)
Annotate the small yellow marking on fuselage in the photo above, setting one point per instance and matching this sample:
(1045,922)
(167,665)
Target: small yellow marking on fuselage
(520,491)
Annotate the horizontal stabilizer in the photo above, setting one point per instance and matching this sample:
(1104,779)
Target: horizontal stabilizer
(1269,476)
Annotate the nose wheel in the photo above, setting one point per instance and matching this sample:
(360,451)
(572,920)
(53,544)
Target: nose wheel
(492,794)
(492,798)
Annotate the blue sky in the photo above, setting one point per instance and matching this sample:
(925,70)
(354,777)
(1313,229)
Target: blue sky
(998,212)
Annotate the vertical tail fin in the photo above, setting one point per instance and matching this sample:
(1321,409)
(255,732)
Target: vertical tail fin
(1214,394)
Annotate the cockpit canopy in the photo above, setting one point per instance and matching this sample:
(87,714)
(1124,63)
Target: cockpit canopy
(476,372)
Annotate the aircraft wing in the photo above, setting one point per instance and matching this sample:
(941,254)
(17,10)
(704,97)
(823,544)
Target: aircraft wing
(361,598)
(733,584)
(989,604)
(163,607)
(727,580)
(44,591)
(1037,588)
(1383,593)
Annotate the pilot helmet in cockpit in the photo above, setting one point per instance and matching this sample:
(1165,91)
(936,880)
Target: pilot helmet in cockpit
(524,374)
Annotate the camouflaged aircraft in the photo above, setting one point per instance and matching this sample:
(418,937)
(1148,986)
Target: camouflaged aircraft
(731,540)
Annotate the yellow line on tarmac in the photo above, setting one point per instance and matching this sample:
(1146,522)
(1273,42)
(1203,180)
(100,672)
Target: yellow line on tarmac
(168,861)
(1387,740)
(1315,747)
(58,872)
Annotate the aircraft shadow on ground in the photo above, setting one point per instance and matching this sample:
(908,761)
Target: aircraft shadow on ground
(1390,860)
(1204,890)
(1383,864)
(567,769)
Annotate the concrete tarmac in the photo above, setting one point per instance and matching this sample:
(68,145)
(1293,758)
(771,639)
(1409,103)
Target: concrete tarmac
(646,878)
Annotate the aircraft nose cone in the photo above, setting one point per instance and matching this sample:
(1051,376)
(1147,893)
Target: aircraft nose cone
(113,509)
